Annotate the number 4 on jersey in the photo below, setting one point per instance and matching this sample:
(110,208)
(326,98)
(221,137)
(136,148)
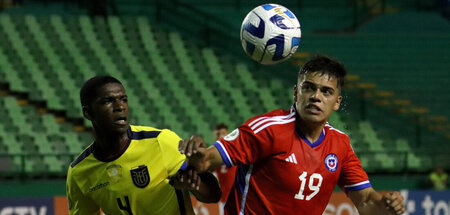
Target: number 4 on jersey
(311,185)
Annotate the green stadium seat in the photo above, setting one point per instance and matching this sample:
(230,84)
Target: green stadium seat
(72,49)
(414,162)
(3,147)
(73,143)
(54,165)
(402,144)
(386,161)
(50,124)
(370,136)
(27,143)
(247,80)
(9,74)
(42,142)
(175,83)
(37,166)
(12,143)
(17,163)
(336,122)
(15,111)
(369,162)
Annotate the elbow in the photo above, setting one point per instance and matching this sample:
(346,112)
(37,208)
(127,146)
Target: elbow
(214,198)
(217,196)
(215,193)
(212,191)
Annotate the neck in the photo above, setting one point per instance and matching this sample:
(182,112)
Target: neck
(311,130)
(109,146)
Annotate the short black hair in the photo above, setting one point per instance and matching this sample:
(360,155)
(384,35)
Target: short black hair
(325,65)
(220,126)
(89,90)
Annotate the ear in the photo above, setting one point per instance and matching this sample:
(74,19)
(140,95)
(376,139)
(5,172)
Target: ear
(338,103)
(86,113)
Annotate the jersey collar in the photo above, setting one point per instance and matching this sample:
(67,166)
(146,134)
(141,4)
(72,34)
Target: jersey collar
(314,144)
(128,141)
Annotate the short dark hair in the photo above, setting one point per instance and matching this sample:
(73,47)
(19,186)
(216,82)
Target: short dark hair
(220,126)
(89,90)
(325,65)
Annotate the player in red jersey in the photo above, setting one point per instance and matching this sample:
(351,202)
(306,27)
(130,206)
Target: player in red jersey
(289,161)
(225,175)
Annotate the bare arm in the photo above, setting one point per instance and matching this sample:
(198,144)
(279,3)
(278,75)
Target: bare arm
(370,202)
(204,186)
(198,156)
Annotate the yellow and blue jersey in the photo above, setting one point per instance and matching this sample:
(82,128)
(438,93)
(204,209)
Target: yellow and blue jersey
(134,183)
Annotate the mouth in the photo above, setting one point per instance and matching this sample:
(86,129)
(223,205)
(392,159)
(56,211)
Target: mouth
(313,109)
(121,121)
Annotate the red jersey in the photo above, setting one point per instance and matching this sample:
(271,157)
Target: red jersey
(281,172)
(226,178)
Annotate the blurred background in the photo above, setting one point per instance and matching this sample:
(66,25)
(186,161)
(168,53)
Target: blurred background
(183,66)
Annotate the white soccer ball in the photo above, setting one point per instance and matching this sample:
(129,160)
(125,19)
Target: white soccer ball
(270,34)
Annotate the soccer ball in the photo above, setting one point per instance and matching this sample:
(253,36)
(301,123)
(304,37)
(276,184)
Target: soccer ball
(270,34)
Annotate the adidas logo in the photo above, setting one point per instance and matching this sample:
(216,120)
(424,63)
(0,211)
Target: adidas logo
(291,159)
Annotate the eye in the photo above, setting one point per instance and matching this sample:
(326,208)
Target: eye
(327,92)
(307,87)
(106,101)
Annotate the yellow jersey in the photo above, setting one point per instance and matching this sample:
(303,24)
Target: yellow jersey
(136,183)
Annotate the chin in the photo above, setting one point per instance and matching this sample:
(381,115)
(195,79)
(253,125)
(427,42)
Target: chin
(313,118)
(123,129)
(120,130)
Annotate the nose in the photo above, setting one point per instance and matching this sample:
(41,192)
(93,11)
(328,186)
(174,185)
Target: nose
(119,106)
(315,96)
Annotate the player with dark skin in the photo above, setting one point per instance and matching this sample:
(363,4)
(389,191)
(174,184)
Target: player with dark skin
(316,96)
(109,114)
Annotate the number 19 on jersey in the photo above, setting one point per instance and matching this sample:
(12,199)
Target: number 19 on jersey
(315,181)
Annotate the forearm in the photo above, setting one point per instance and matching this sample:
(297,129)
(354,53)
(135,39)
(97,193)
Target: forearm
(209,190)
(209,162)
(372,205)
(370,202)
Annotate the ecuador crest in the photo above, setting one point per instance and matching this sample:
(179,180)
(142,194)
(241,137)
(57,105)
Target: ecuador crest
(140,176)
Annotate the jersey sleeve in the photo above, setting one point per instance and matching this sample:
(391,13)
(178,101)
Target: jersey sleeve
(79,204)
(173,159)
(352,177)
(243,146)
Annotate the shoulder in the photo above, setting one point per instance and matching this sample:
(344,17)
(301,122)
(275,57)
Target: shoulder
(269,120)
(336,133)
(143,132)
(161,136)
(86,153)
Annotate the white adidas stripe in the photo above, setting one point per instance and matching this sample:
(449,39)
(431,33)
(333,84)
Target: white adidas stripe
(273,123)
(257,122)
(332,128)
(265,117)
(293,157)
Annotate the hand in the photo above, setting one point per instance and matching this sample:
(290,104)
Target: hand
(195,150)
(394,202)
(190,146)
(186,180)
